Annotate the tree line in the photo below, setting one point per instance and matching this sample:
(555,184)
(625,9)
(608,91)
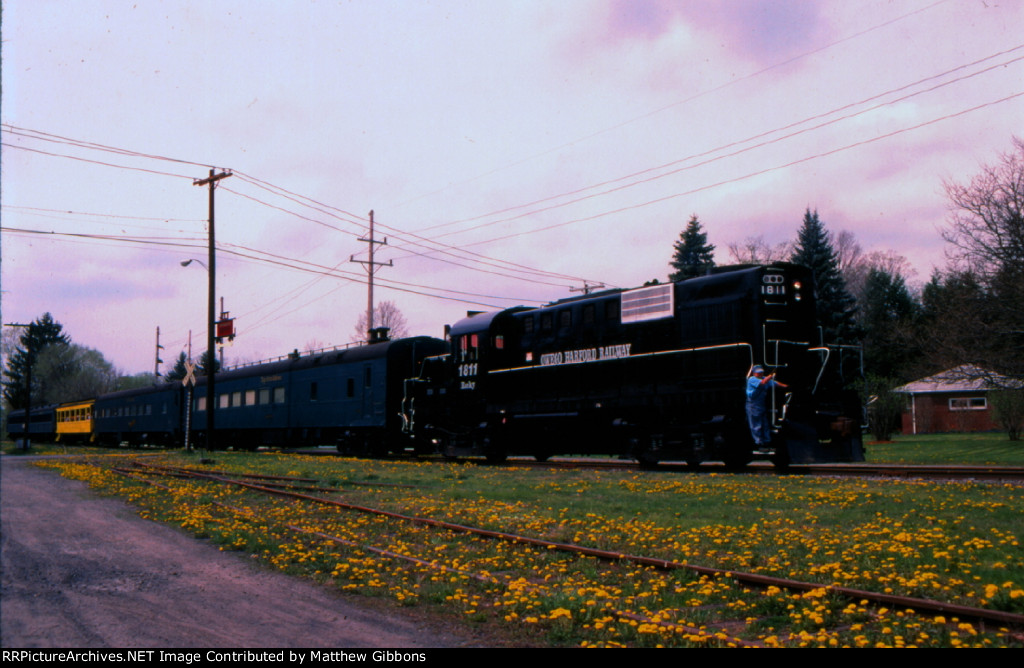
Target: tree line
(968,316)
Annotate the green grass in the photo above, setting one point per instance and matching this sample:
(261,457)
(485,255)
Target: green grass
(986,448)
(952,541)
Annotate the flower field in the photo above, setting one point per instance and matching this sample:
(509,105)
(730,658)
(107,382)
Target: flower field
(954,542)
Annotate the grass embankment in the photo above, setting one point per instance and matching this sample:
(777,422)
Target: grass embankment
(958,542)
(969,449)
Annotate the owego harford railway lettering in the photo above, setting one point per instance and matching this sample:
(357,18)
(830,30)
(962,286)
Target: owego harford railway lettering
(586,355)
(656,373)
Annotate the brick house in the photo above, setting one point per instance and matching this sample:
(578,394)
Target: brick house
(955,400)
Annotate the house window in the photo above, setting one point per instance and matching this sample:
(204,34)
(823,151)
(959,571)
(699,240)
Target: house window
(968,403)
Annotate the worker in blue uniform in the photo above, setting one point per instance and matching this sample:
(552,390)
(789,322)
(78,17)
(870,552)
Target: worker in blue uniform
(758,386)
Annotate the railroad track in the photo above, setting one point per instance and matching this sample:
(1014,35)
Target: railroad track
(876,604)
(1011,474)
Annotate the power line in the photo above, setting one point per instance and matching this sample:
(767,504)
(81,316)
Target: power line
(687,100)
(756,173)
(729,145)
(266,257)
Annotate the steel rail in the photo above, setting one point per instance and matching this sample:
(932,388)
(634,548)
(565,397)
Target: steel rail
(917,604)
(719,636)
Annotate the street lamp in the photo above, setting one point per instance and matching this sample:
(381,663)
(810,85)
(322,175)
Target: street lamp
(211,359)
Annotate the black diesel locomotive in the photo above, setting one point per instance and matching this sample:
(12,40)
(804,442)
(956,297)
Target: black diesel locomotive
(657,373)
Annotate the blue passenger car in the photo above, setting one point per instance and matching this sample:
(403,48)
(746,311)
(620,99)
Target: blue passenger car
(350,398)
(42,423)
(145,415)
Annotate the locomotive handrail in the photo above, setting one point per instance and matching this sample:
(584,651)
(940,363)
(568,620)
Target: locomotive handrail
(824,363)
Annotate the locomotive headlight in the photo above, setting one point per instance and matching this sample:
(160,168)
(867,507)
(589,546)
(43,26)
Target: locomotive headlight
(796,290)
(797,285)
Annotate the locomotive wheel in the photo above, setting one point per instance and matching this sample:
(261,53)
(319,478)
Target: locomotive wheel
(647,461)
(737,460)
(781,459)
(643,453)
(496,457)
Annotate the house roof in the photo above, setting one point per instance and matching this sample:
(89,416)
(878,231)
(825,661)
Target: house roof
(964,378)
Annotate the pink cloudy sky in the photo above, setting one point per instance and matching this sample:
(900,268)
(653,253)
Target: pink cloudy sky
(510,150)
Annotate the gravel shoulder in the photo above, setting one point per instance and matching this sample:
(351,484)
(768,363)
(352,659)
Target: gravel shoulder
(79,570)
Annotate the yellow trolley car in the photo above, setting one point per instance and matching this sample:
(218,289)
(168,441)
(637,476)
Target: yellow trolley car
(75,422)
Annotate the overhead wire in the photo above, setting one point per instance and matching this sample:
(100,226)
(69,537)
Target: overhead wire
(687,100)
(35,134)
(730,145)
(755,173)
(267,257)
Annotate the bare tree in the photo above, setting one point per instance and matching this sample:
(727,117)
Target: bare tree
(889,261)
(979,307)
(986,228)
(849,253)
(315,344)
(755,250)
(385,314)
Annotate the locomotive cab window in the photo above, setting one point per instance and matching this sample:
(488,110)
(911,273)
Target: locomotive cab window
(469,347)
(589,314)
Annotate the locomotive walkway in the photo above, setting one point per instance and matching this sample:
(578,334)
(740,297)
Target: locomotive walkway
(84,571)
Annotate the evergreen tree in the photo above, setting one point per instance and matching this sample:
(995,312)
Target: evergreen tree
(693,255)
(888,315)
(44,331)
(836,308)
(178,372)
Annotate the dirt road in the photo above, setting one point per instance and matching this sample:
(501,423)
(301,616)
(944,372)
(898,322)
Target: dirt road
(83,571)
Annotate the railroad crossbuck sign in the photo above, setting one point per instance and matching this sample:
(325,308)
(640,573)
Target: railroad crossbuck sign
(190,373)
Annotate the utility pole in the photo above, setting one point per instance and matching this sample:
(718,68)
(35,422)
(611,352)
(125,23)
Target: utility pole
(158,361)
(370,268)
(211,322)
(587,288)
